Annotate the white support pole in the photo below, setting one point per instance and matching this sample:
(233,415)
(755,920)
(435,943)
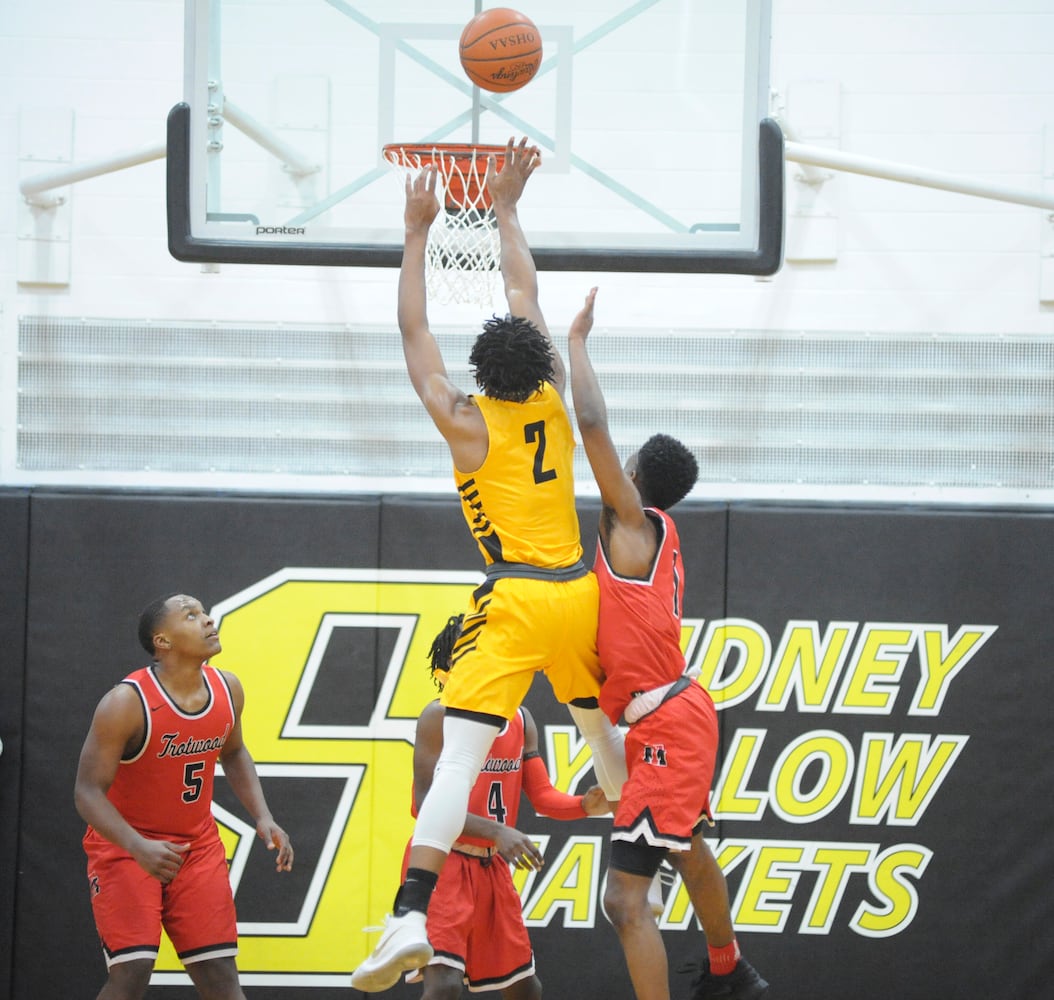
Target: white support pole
(264,137)
(809,173)
(32,187)
(836,159)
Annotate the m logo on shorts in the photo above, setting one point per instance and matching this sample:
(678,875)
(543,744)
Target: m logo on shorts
(655,754)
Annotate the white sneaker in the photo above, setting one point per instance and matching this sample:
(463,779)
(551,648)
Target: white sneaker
(403,945)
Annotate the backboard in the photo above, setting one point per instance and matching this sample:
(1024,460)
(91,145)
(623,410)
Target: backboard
(651,116)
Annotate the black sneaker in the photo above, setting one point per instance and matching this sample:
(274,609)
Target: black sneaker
(742,983)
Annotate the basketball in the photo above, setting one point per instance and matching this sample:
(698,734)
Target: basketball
(501,49)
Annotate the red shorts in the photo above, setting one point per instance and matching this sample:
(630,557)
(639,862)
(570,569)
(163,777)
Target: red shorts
(130,906)
(670,756)
(475,924)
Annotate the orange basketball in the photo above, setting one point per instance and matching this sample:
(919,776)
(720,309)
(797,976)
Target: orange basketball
(501,49)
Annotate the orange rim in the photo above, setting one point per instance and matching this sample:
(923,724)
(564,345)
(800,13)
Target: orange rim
(463,185)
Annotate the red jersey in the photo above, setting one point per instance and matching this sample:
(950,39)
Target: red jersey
(496,793)
(165,790)
(639,624)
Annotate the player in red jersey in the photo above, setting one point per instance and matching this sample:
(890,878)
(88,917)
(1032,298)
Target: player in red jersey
(671,745)
(475,917)
(144,787)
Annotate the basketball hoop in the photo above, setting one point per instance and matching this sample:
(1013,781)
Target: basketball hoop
(461,257)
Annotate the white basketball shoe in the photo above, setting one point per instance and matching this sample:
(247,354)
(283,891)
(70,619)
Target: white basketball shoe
(403,945)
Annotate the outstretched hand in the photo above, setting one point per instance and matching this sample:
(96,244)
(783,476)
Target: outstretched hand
(506,185)
(583,321)
(422,204)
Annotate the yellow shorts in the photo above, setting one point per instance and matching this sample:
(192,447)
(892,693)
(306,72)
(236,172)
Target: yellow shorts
(515,627)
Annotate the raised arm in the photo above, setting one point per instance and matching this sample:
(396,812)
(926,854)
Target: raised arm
(453,413)
(518,271)
(423,359)
(617,491)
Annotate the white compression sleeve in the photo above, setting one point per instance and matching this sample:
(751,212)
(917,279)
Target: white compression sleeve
(442,814)
(609,751)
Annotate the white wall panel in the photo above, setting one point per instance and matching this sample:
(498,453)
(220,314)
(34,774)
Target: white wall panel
(964,86)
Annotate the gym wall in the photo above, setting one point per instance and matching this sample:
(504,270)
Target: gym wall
(882,790)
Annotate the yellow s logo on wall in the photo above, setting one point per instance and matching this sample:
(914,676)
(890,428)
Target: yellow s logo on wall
(275,638)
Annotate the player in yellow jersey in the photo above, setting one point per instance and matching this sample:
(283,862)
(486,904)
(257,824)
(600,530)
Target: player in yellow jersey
(512,448)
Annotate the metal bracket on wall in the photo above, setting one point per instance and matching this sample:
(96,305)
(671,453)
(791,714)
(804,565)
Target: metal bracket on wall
(45,139)
(1046,246)
(812,113)
(44,209)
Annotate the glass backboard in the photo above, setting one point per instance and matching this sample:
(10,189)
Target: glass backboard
(652,117)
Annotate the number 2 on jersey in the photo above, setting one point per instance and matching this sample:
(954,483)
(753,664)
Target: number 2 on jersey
(533,432)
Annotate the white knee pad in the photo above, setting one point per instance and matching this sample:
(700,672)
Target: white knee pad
(442,814)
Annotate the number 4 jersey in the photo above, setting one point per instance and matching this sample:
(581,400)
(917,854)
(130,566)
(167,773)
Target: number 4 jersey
(496,793)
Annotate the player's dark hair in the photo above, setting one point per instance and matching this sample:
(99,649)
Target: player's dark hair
(666,471)
(511,358)
(442,649)
(149,618)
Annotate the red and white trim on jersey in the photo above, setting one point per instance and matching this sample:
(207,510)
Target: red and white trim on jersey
(639,622)
(164,790)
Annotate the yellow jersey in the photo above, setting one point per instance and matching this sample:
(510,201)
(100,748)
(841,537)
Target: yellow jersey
(520,503)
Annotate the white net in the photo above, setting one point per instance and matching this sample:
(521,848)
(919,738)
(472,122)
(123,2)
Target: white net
(461,263)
